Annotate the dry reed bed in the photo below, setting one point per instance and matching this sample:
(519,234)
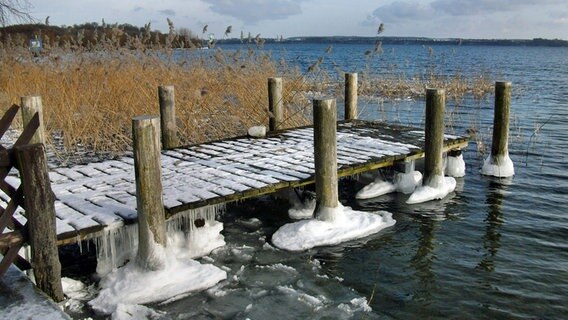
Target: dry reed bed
(90,97)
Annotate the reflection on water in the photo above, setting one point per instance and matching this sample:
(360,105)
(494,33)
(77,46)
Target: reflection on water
(494,220)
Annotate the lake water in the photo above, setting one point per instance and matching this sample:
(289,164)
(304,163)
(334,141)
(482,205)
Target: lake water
(495,248)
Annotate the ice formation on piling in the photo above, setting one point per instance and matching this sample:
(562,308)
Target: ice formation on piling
(345,224)
(402,182)
(196,232)
(455,166)
(501,167)
(193,233)
(436,189)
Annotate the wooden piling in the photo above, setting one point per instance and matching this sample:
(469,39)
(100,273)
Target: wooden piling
(351,96)
(39,203)
(325,155)
(149,197)
(434,136)
(30,105)
(499,143)
(166,95)
(275,104)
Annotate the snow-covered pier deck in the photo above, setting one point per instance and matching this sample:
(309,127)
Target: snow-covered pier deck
(95,196)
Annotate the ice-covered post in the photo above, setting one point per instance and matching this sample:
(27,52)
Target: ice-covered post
(149,198)
(275,104)
(31,105)
(166,96)
(39,202)
(434,137)
(498,163)
(325,155)
(350,96)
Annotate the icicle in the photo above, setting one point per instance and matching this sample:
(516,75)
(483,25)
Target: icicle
(115,247)
(196,231)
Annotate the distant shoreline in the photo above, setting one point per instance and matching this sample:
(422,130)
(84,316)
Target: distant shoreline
(537,42)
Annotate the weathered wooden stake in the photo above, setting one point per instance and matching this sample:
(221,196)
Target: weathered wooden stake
(40,212)
(31,105)
(499,143)
(434,136)
(149,198)
(325,155)
(350,96)
(275,104)
(166,96)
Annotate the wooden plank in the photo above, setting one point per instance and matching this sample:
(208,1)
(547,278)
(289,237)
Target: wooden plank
(7,119)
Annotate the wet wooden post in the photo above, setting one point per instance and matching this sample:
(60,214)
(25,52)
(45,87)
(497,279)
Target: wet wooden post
(275,104)
(351,96)
(149,198)
(434,136)
(325,155)
(166,97)
(499,143)
(39,202)
(30,105)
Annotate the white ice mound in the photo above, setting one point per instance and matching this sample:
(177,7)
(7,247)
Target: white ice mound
(455,166)
(502,168)
(403,182)
(348,225)
(199,242)
(131,285)
(375,189)
(443,186)
(302,210)
(407,182)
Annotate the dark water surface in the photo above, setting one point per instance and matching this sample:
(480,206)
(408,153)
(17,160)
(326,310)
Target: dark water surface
(493,249)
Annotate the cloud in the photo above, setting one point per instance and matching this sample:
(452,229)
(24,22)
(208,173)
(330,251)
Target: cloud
(168,12)
(477,7)
(252,11)
(400,11)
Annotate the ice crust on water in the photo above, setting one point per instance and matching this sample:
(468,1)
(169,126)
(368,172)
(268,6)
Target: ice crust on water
(135,312)
(402,182)
(345,224)
(438,188)
(502,168)
(455,166)
(132,285)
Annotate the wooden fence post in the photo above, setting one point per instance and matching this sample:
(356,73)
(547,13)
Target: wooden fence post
(166,95)
(499,164)
(40,212)
(31,105)
(434,136)
(149,197)
(351,96)
(325,155)
(275,104)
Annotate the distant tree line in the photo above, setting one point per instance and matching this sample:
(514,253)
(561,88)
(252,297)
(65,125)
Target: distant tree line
(93,35)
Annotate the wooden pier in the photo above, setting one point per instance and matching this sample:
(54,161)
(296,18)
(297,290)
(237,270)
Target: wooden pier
(92,197)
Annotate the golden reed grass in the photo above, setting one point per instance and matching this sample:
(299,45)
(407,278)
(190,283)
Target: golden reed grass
(90,98)
(92,91)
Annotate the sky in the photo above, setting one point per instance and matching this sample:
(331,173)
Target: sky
(492,19)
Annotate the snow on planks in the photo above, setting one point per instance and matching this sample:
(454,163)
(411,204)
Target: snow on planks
(103,195)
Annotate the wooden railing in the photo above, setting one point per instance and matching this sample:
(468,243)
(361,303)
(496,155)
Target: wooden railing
(35,197)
